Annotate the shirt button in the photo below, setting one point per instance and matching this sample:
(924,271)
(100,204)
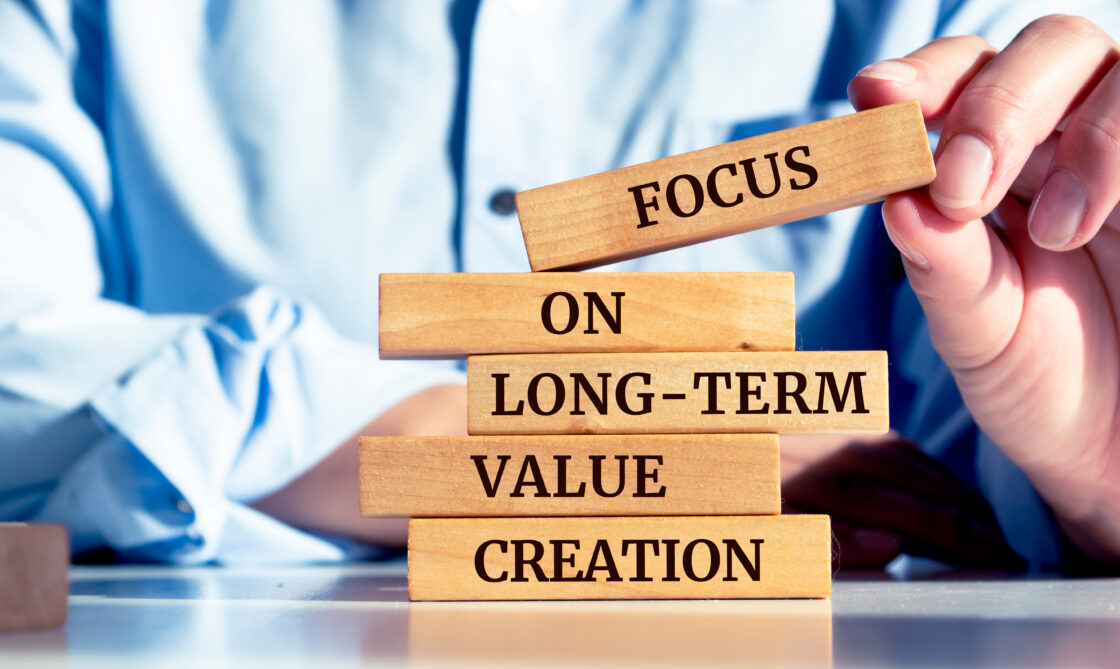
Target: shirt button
(502,202)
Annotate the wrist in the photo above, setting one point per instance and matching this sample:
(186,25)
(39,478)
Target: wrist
(1088,512)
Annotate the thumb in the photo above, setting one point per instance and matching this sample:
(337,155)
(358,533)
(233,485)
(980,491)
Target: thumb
(965,276)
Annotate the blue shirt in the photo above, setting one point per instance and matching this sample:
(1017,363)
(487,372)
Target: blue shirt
(197,198)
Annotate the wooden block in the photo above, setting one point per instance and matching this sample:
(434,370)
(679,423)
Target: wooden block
(453,315)
(776,633)
(581,475)
(633,393)
(727,189)
(34,585)
(689,557)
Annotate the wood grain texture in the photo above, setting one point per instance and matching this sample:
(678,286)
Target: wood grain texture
(34,584)
(657,475)
(453,315)
(643,393)
(583,558)
(856,159)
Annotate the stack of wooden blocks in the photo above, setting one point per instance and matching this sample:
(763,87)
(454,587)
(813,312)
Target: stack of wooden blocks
(623,426)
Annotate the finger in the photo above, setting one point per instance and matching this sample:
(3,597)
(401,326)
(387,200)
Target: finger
(973,546)
(863,548)
(1083,185)
(968,282)
(897,464)
(1030,178)
(958,528)
(1012,105)
(855,488)
(947,533)
(933,75)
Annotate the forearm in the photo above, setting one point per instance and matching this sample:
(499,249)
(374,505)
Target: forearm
(325,498)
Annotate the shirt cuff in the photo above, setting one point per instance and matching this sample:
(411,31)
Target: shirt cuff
(228,413)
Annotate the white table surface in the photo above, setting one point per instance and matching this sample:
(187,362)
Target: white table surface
(359,615)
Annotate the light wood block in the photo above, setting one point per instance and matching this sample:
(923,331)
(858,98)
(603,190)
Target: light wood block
(34,585)
(705,194)
(579,475)
(453,315)
(636,393)
(690,557)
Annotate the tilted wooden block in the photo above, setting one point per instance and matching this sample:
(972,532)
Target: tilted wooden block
(453,315)
(723,190)
(34,583)
(633,393)
(579,475)
(684,557)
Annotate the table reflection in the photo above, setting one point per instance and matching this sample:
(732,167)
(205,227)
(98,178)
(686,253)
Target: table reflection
(764,633)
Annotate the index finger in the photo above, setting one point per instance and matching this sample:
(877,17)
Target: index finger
(934,75)
(1001,105)
(1011,106)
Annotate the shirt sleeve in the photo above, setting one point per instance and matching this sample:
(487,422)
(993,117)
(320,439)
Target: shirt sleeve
(230,410)
(147,434)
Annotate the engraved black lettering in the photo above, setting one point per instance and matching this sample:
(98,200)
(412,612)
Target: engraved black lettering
(624,403)
(602,551)
(489,486)
(534,395)
(521,560)
(752,180)
(670,559)
(643,475)
(840,400)
(785,393)
(546,313)
(480,561)
(559,560)
(697,195)
(598,400)
(562,478)
(746,392)
(640,546)
(597,475)
(713,190)
(530,475)
(798,166)
(689,554)
(713,392)
(595,303)
(645,205)
(500,398)
(754,569)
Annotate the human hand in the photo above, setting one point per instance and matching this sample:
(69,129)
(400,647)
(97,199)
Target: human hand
(891,498)
(325,498)
(1024,310)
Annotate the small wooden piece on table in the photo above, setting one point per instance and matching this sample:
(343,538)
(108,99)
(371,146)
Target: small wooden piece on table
(34,560)
(455,315)
(723,190)
(690,557)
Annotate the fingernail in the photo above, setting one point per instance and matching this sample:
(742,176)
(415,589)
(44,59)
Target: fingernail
(963,171)
(1058,210)
(909,252)
(890,70)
